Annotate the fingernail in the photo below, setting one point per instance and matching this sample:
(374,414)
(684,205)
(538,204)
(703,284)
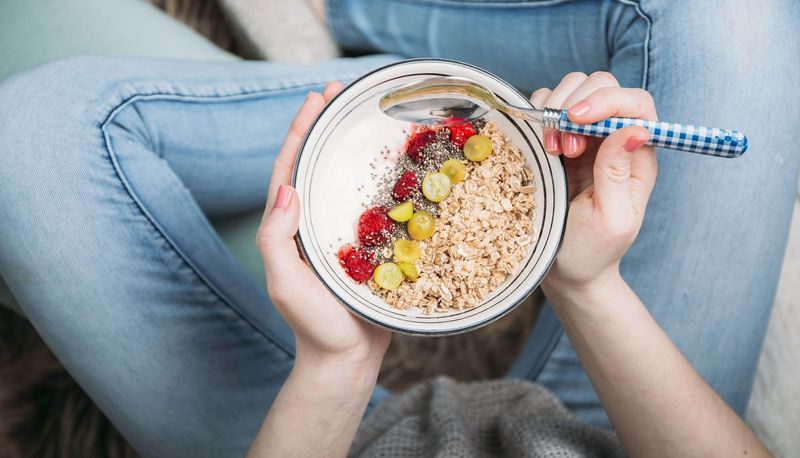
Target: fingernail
(580,108)
(551,141)
(634,143)
(283,197)
(570,144)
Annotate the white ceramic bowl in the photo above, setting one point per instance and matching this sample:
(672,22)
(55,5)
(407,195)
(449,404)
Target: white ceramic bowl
(334,161)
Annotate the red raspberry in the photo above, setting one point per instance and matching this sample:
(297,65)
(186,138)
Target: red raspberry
(357,263)
(460,131)
(417,142)
(405,186)
(373,227)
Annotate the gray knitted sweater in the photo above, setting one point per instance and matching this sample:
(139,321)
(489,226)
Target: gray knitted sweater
(445,418)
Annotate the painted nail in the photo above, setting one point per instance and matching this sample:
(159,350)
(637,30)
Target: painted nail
(570,144)
(580,108)
(634,143)
(283,197)
(551,141)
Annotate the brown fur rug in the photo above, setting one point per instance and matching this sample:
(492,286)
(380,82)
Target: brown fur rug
(481,354)
(43,412)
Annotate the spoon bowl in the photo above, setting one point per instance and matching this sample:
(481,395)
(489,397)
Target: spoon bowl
(435,100)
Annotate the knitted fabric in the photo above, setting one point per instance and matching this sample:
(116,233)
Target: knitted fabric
(442,417)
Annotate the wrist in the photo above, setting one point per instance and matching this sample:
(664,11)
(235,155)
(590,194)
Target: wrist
(590,288)
(336,370)
(318,409)
(594,297)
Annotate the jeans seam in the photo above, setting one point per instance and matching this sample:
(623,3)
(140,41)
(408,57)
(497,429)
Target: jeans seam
(116,109)
(545,350)
(637,5)
(645,74)
(344,34)
(645,77)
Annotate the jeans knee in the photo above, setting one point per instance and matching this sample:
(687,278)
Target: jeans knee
(50,87)
(53,150)
(53,112)
(724,36)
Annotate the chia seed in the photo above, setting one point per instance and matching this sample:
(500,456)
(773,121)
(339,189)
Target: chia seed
(433,154)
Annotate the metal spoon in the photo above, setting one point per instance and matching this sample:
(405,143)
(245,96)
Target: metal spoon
(437,100)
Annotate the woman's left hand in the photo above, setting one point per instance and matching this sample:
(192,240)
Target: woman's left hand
(323,400)
(325,332)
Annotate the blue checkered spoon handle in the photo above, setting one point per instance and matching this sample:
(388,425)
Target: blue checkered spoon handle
(682,137)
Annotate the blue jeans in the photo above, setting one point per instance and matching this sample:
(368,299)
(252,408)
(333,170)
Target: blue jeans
(111,168)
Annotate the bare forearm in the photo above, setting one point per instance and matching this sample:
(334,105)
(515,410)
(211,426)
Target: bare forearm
(658,404)
(316,413)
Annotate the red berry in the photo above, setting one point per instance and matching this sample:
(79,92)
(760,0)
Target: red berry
(460,131)
(373,227)
(417,142)
(405,186)
(358,263)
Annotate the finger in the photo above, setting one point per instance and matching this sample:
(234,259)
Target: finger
(539,96)
(331,89)
(644,169)
(594,82)
(573,145)
(614,101)
(284,163)
(275,237)
(553,141)
(551,138)
(612,169)
(566,87)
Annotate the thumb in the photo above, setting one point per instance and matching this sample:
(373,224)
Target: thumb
(275,238)
(612,167)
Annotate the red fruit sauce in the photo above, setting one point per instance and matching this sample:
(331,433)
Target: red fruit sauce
(405,186)
(358,263)
(373,227)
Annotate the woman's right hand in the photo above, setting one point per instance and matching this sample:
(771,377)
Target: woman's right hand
(610,179)
(326,334)
(644,382)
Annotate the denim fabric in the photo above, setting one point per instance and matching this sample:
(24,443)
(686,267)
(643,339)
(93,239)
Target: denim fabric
(110,169)
(708,257)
